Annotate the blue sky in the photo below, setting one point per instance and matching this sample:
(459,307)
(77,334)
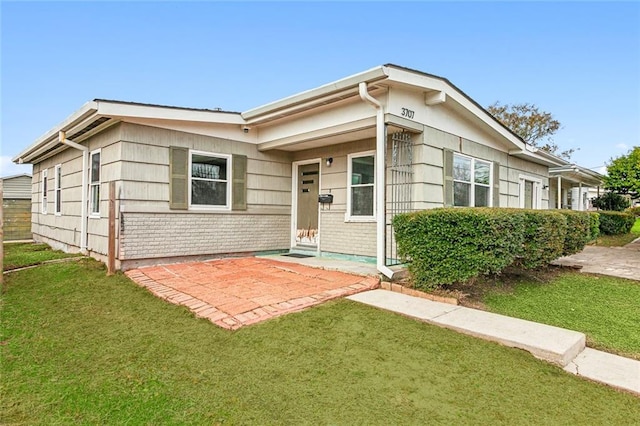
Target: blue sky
(579,61)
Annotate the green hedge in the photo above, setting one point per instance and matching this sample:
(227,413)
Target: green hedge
(616,223)
(578,231)
(450,245)
(544,237)
(594,226)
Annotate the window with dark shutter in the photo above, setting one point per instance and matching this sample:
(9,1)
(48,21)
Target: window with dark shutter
(178,178)
(448,178)
(239,183)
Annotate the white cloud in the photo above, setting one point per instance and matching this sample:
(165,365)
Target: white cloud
(8,168)
(622,146)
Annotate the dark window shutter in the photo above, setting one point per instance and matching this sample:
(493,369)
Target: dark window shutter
(239,183)
(496,184)
(448,178)
(178,178)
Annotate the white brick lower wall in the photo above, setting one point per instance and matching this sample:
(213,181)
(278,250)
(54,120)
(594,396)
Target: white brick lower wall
(338,236)
(157,235)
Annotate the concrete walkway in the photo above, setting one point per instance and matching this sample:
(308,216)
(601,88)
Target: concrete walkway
(622,262)
(563,347)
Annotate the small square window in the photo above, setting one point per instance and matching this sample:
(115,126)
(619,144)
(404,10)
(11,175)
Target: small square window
(209,180)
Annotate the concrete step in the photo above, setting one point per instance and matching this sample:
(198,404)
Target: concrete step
(603,367)
(546,342)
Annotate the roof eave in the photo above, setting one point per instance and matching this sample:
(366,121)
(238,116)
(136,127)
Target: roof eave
(322,92)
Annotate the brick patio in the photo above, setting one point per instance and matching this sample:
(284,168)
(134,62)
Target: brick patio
(234,292)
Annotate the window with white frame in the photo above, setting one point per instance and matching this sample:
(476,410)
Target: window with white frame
(45,189)
(471,182)
(58,189)
(94,183)
(209,180)
(361,186)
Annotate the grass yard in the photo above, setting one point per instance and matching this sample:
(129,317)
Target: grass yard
(606,309)
(79,347)
(18,255)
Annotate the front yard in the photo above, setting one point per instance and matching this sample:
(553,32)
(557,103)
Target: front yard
(605,308)
(80,347)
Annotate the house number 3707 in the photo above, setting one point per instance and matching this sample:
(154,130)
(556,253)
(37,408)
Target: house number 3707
(408,113)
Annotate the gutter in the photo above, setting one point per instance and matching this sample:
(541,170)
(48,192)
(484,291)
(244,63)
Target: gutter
(380,179)
(84,216)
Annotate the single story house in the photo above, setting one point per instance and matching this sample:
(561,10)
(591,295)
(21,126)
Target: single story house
(16,207)
(322,171)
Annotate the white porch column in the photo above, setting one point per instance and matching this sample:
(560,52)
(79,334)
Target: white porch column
(559,194)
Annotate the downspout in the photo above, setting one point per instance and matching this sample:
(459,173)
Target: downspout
(380,180)
(62,137)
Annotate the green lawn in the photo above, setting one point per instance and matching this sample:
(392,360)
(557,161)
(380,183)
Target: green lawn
(78,347)
(619,240)
(606,309)
(17,255)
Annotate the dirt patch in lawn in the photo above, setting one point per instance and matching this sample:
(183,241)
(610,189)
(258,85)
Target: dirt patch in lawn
(472,293)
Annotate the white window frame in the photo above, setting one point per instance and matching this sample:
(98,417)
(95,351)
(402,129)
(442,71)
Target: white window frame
(57,189)
(92,213)
(229,179)
(473,183)
(348,216)
(536,202)
(44,186)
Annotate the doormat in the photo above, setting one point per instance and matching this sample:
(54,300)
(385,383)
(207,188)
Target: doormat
(297,255)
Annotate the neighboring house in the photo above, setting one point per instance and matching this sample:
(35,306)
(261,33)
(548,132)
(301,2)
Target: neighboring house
(578,187)
(16,207)
(322,171)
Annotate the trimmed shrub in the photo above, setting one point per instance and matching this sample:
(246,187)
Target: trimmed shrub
(578,231)
(594,227)
(616,223)
(448,245)
(544,236)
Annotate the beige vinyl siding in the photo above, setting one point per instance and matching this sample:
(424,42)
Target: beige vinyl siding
(63,231)
(510,168)
(145,169)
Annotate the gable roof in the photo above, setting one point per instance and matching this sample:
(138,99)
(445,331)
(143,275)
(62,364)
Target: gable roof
(99,114)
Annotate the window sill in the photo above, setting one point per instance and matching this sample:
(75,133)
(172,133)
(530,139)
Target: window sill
(210,208)
(363,219)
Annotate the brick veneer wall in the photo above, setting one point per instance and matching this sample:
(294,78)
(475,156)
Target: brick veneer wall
(338,236)
(156,235)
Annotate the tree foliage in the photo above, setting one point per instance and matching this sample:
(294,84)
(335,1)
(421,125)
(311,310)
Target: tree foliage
(623,174)
(535,127)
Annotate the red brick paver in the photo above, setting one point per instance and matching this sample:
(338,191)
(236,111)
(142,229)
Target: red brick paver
(235,292)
